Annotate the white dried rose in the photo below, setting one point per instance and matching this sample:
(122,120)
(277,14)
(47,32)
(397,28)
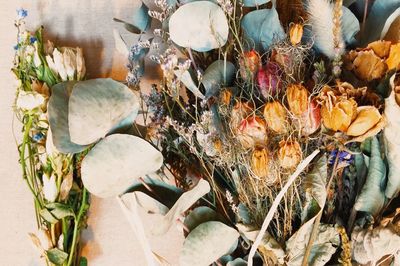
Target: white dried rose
(29,100)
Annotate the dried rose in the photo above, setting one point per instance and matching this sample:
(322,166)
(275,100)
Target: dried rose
(276,116)
(368,66)
(250,63)
(311,119)
(393,61)
(381,48)
(296,33)
(338,116)
(289,154)
(297,97)
(240,111)
(367,118)
(259,162)
(268,79)
(252,131)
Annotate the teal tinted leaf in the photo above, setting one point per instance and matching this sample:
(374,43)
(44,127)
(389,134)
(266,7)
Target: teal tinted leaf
(48,216)
(350,25)
(201,26)
(116,162)
(375,23)
(140,20)
(395,15)
(207,243)
(60,210)
(96,106)
(262,28)
(56,256)
(252,3)
(58,118)
(219,74)
(372,196)
(200,215)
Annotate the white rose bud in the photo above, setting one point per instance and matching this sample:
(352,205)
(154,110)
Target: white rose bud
(50,188)
(69,62)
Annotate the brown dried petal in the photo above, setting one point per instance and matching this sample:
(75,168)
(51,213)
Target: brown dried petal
(368,66)
(381,48)
(259,162)
(393,61)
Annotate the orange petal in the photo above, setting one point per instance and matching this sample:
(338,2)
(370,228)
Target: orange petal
(393,62)
(368,66)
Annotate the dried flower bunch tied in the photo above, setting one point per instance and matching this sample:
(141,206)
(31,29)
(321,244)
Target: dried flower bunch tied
(275,122)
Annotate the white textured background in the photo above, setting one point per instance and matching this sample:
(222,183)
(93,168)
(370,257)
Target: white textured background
(85,23)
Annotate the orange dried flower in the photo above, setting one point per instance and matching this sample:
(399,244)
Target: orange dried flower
(296,33)
(381,48)
(339,116)
(276,116)
(249,63)
(289,154)
(259,162)
(367,118)
(368,66)
(225,97)
(240,111)
(252,131)
(297,97)
(393,61)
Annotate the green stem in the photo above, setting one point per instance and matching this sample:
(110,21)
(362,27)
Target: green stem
(78,218)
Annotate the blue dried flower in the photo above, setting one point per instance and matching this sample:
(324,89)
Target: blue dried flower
(22,13)
(32,39)
(16,47)
(344,157)
(38,137)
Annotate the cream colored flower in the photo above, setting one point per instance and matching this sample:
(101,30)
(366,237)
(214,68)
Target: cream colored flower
(29,100)
(49,187)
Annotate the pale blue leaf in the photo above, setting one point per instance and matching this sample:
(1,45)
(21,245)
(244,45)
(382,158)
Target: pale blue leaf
(140,20)
(262,28)
(219,74)
(200,25)
(58,118)
(200,215)
(252,3)
(350,26)
(379,13)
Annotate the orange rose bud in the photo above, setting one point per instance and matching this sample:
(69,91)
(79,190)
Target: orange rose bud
(259,162)
(249,63)
(297,97)
(289,154)
(339,116)
(276,116)
(296,33)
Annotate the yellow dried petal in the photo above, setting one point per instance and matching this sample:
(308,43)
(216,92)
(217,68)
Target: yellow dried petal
(296,33)
(367,118)
(371,132)
(380,48)
(368,66)
(339,117)
(259,162)
(289,154)
(275,115)
(393,61)
(297,97)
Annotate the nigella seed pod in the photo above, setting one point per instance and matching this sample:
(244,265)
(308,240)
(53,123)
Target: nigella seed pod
(276,116)
(297,97)
(240,111)
(289,154)
(268,79)
(259,162)
(252,131)
(296,33)
(311,119)
(250,63)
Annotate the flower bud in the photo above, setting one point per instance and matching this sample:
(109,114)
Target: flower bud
(289,154)
(367,118)
(249,63)
(297,97)
(296,33)
(311,119)
(69,62)
(252,131)
(268,79)
(240,111)
(259,162)
(276,116)
(49,187)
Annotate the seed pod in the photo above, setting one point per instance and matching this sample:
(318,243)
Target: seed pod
(296,33)
(311,119)
(259,162)
(289,154)
(276,116)
(268,79)
(240,111)
(250,63)
(252,131)
(297,97)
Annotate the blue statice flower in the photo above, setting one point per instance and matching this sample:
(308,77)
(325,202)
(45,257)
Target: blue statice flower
(16,47)
(344,157)
(32,39)
(22,13)
(38,137)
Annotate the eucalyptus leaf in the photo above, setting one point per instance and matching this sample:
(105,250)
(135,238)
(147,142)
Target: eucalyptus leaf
(187,79)
(376,20)
(237,262)
(48,216)
(372,196)
(349,25)
(253,3)
(262,28)
(206,243)
(149,204)
(185,201)
(96,106)
(220,73)
(200,215)
(140,20)
(201,26)
(58,118)
(56,256)
(392,143)
(116,162)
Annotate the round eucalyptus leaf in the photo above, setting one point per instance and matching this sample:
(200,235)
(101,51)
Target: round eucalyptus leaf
(58,118)
(200,25)
(349,25)
(200,215)
(253,3)
(207,243)
(262,28)
(97,106)
(219,73)
(116,162)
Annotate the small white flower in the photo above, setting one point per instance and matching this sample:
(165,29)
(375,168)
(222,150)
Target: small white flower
(29,100)
(36,58)
(50,187)
(60,242)
(69,62)
(59,64)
